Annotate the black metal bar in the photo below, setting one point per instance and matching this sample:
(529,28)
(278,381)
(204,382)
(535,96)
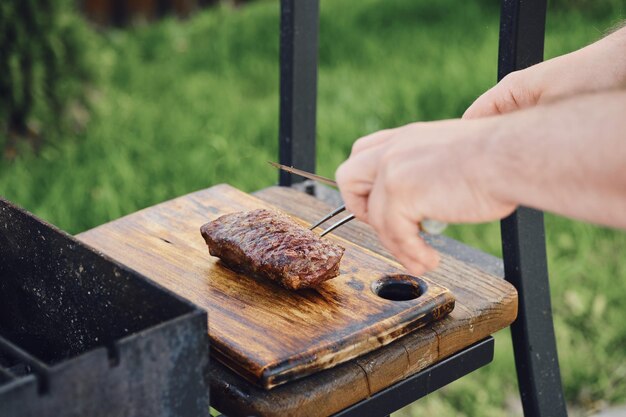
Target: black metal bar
(424,382)
(41,370)
(299,22)
(5,375)
(522,28)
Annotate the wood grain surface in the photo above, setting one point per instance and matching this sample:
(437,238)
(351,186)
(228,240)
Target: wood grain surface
(265,333)
(485,303)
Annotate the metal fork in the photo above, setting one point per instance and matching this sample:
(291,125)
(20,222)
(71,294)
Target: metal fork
(432,227)
(330,216)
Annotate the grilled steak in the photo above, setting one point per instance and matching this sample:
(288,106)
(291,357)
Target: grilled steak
(271,245)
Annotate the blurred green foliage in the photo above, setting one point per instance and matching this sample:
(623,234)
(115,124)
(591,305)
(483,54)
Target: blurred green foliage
(593,8)
(185,105)
(44,67)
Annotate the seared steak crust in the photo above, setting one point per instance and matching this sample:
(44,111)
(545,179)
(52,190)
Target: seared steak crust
(268,244)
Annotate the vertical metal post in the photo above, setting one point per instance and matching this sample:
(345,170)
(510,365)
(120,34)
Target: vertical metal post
(299,21)
(522,28)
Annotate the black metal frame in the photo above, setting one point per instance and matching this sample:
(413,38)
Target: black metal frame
(299,21)
(522,29)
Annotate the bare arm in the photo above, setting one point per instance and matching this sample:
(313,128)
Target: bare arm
(567,157)
(598,67)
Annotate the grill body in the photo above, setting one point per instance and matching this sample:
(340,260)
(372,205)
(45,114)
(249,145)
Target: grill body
(81,335)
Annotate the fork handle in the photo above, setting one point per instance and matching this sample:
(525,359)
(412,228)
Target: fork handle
(433,227)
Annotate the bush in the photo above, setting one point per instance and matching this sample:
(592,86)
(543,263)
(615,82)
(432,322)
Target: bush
(591,8)
(44,67)
(595,7)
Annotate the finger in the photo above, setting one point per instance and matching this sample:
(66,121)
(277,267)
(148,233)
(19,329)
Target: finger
(514,92)
(371,140)
(485,105)
(399,233)
(376,208)
(357,205)
(355,178)
(402,233)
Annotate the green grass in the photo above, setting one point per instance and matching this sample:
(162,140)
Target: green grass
(184,105)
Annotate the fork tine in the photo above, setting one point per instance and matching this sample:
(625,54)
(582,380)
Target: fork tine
(339,223)
(329,215)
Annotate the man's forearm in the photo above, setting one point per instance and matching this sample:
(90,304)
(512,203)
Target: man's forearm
(614,47)
(568,157)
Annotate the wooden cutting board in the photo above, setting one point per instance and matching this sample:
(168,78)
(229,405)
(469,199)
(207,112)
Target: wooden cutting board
(266,333)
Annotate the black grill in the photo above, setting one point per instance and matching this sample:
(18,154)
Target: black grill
(81,335)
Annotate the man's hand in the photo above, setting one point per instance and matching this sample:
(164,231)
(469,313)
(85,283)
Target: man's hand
(396,178)
(567,157)
(598,67)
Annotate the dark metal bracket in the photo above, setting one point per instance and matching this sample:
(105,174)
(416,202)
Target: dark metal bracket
(299,21)
(522,30)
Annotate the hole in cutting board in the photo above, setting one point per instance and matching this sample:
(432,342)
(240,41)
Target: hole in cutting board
(399,287)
